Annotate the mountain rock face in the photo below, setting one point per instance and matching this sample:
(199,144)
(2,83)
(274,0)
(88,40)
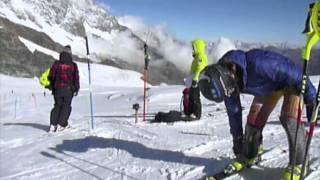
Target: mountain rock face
(52,24)
(15,57)
(55,23)
(68,14)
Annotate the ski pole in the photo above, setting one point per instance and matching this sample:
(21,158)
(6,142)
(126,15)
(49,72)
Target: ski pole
(301,105)
(313,35)
(90,88)
(312,30)
(314,119)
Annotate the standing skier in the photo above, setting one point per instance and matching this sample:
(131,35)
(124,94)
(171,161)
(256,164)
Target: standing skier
(64,81)
(199,62)
(268,76)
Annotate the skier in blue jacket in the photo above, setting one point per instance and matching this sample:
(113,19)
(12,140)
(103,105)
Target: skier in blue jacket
(267,76)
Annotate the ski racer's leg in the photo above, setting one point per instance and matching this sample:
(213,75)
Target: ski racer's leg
(234,111)
(288,118)
(260,110)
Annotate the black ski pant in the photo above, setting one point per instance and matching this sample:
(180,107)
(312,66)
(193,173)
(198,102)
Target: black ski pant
(62,107)
(259,112)
(194,102)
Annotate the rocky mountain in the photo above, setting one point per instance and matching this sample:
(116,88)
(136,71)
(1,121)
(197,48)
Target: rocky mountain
(54,23)
(67,14)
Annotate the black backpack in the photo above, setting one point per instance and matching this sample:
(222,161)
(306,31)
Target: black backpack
(171,116)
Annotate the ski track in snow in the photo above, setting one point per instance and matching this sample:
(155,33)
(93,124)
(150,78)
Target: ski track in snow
(121,149)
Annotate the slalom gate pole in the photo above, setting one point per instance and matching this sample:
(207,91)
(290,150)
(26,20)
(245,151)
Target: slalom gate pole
(15,106)
(144,94)
(90,88)
(145,77)
(312,30)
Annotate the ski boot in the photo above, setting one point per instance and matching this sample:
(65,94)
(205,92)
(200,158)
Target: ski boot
(61,128)
(296,172)
(241,162)
(52,128)
(255,160)
(235,166)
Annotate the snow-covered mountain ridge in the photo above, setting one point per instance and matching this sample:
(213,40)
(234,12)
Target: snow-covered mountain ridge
(113,41)
(62,21)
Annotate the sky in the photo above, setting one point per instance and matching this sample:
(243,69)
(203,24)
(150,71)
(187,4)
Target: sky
(246,20)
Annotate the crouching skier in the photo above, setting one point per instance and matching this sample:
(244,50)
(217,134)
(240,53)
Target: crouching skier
(267,76)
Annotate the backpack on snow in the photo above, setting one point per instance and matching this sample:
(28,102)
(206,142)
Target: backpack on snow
(185,101)
(171,116)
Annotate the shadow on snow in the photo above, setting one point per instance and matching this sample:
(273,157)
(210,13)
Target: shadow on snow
(33,125)
(136,150)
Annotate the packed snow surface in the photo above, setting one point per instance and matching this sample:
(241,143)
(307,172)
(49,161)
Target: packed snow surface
(119,148)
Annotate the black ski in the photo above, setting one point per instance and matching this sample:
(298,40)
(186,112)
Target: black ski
(220,175)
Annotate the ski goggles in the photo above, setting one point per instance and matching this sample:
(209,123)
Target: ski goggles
(227,83)
(211,88)
(215,90)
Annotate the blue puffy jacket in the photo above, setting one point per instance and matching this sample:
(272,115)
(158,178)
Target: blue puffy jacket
(263,73)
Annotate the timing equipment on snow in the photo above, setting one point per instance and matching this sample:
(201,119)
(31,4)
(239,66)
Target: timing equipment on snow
(136,109)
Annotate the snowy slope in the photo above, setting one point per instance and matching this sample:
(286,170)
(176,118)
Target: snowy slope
(119,148)
(102,75)
(62,20)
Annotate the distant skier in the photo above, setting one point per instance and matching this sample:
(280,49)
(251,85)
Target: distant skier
(64,81)
(267,76)
(199,62)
